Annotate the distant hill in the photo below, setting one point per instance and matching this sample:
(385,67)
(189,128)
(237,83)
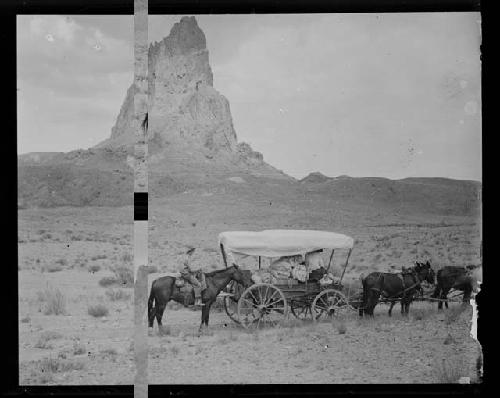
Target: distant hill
(432,195)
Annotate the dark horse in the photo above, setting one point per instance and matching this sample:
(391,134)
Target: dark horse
(453,277)
(163,290)
(403,286)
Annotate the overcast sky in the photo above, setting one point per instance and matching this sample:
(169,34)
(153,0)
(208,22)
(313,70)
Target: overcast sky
(390,95)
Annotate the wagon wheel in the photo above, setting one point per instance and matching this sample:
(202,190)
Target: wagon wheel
(261,304)
(231,301)
(231,307)
(301,308)
(330,303)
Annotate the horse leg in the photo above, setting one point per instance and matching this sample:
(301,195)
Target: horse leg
(207,316)
(437,294)
(159,313)
(151,311)
(467,294)
(364,301)
(390,307)
(444,297)
(372,301)
(204,317)
(406,307)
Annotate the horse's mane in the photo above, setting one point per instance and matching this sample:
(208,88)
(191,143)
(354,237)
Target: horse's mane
(217,271)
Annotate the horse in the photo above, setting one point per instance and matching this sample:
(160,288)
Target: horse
(454,277)
(400,287)
(164,289)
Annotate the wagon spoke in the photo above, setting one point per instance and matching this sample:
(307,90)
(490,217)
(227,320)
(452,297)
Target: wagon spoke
(253,296)
(274,302)
(272,295)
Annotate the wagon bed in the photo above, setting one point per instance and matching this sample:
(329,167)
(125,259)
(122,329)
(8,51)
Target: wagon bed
(268,303)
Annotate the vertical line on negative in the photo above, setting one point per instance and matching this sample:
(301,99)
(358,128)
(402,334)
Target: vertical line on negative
(140,185)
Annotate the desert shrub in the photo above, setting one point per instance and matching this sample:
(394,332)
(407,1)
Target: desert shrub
(126,258)
(54,300)
(97,310)
(52,268)
(79,348)
(54,365)
(94,268)
(124,276)
(117,294)
(175,350)
(109,352)
(26,319)
(99,257)
(449,371)
(108,281)
(45,338)
(152,269)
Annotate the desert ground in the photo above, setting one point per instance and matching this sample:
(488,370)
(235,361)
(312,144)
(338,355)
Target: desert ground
(76,309)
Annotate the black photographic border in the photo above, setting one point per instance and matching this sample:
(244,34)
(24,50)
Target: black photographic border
(8,11)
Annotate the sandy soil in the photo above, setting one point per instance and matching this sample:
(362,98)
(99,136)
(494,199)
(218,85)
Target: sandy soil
(73,249)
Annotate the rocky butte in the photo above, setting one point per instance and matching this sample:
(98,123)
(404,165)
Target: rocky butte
(191,133)
(193,146)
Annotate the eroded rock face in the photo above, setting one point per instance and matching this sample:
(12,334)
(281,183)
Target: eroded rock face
(185,112)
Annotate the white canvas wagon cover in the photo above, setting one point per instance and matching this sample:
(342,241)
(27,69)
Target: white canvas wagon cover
(282,242)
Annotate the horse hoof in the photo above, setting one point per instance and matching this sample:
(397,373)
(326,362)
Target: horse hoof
(150,331)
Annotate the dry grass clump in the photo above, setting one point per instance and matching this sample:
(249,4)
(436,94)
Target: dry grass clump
(45,338)
(94,268)
(449,371)
(26,319)
(99,257)
(56,365)
(126,258)
(152,269)
(52,268)
(98,310)
(117,295)
(124,276)
(54,300)
(46,368)
(108,281)
(79,348)
(109,353)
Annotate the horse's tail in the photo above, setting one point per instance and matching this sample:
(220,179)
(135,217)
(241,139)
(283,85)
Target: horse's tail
(151,299)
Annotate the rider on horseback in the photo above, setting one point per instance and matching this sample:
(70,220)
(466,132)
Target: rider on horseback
(191,275)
